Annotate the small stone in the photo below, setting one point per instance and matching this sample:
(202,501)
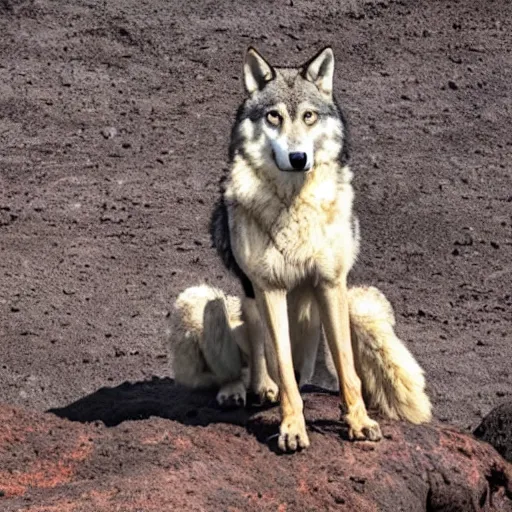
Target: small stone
(452,85)
(109,132)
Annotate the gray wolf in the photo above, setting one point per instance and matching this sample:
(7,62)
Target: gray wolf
(285,226)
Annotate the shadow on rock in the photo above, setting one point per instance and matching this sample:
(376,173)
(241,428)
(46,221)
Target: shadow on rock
(164,398)
(160,397)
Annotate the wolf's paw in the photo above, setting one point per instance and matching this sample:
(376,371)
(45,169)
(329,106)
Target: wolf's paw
(363,428)
(292,434)
(232,395)
(267,391)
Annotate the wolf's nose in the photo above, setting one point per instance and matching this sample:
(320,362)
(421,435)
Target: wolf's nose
(298,160)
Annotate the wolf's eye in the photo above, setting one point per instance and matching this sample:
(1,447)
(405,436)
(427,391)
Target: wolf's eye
(310,117)
(274,118)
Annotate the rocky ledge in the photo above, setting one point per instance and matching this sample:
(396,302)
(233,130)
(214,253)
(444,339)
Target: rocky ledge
(154,446)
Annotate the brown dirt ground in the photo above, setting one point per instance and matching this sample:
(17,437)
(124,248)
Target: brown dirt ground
(114,125)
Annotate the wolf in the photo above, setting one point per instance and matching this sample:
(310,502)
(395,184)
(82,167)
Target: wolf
(284,225)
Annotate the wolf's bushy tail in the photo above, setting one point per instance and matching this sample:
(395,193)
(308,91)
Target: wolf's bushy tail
(392,380)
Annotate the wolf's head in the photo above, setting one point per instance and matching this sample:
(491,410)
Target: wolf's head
(290,120)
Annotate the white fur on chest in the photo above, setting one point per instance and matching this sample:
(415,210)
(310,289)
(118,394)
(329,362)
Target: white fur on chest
(282,236)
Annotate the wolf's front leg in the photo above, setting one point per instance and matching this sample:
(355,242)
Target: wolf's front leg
(261,383)
(292,432)
(333,302)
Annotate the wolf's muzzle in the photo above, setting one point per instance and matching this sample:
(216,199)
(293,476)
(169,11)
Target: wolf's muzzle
(298,160)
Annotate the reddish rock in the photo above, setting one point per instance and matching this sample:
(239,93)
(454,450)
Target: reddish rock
(196,457)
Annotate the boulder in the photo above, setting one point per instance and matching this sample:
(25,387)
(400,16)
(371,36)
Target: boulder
(155,446)
(496,428)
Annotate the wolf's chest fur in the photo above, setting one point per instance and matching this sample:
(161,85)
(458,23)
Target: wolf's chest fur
(285,233)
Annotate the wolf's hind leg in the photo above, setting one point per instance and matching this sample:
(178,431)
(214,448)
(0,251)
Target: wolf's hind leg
(218,344)
(223,346)
(190,368)
(205,329)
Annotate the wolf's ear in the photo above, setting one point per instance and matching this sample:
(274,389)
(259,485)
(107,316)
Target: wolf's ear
(320,70)
(257,71)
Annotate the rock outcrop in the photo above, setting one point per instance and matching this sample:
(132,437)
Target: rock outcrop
(171,449)
(496,429)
